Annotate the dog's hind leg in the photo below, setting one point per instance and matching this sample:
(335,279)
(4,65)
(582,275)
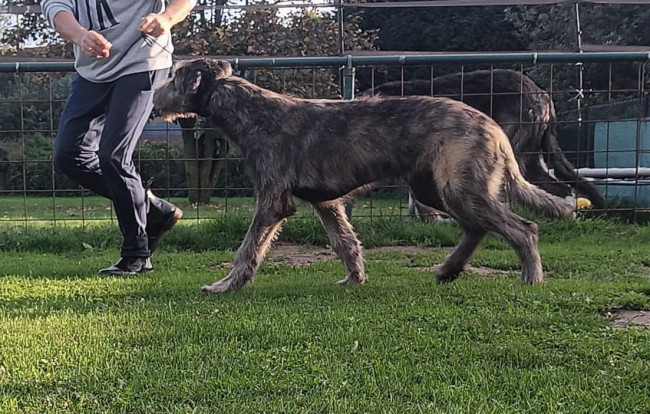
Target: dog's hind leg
(425,191)
(491,215)
(522,235)
(269,216)
(343,239)
(462,254)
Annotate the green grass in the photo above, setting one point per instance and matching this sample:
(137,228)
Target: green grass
(16,208)
(71,341)
(47,210)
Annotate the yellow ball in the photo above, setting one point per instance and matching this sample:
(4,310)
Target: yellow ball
(583,203)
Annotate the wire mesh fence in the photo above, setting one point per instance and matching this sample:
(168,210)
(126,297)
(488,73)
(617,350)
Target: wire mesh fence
(600,102)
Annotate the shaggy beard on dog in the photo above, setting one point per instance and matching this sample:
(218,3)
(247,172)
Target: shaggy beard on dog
(453,157)
(172,117)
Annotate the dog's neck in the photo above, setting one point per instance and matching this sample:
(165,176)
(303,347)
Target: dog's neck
(233,103)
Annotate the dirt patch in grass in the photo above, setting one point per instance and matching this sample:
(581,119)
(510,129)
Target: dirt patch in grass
(407,250)
(479,270)
(624,319)
(289,254)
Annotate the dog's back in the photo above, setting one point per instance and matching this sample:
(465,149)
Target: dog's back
(509,97)
(525,112)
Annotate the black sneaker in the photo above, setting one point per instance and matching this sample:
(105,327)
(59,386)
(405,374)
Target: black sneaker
(162,216)
(128,266)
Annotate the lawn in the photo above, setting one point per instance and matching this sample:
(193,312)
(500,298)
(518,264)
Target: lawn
(293,342)
(88,209)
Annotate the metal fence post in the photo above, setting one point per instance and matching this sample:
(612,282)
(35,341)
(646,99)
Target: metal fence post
(348,79)
(348,93)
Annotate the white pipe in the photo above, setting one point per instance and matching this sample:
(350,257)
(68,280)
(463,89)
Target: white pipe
(612,172)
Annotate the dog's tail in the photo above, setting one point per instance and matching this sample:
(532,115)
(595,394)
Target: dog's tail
(530,196)
(563,169)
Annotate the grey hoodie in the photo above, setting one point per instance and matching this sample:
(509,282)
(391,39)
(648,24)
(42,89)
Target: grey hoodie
(117,21)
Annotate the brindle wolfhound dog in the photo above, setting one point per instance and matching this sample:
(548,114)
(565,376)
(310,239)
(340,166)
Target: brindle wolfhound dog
(524,111)
(452,156)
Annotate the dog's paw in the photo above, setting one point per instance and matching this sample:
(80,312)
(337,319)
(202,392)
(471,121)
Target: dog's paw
(446,275)
(218,287)
(353,279)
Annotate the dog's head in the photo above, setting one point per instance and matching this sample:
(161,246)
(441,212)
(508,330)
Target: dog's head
(183,96)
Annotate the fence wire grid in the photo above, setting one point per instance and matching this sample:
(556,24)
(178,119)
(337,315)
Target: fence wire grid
(601,105)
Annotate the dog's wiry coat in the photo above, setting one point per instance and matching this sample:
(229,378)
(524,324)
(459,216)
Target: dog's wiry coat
(454,158)
(525,112)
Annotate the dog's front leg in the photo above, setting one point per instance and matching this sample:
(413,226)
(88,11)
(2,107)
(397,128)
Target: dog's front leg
(343,239)
(269,216)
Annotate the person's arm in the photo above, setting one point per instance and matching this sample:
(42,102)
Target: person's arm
(89,41)
(156,24)
(60,16)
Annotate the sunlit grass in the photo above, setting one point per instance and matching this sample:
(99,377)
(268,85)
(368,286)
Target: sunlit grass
(293,342)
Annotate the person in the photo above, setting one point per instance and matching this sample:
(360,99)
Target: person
(123,51)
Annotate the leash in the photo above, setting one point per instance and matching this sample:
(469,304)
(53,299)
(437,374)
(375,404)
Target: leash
(150,41)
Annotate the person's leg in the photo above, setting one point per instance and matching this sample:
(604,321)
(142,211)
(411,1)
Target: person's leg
(75,154)
(78,140)
(80,128)
(128,111)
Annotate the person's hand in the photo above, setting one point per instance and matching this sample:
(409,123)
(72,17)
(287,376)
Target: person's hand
(93,44)
(155,24)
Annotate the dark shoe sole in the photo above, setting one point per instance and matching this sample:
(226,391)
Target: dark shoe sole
(118,272)
(168,225)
